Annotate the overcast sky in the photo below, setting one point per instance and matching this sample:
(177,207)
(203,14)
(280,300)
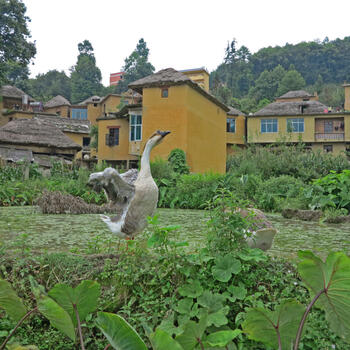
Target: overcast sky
(180,34)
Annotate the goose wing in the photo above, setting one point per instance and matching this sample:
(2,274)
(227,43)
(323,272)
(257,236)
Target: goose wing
(119,188)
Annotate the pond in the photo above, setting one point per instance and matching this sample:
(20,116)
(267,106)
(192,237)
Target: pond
(27,228)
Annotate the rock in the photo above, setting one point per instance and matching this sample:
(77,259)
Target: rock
(305,215)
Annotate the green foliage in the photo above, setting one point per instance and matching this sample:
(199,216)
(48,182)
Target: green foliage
(119,333)
(136,66)
(94,137)
(274,327)
(16,50)
(292,80)
(332,279)
(85,75)
(10,302)
(177,160)
(330,191)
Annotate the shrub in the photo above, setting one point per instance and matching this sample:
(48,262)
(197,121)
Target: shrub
(177,160)
(161,169)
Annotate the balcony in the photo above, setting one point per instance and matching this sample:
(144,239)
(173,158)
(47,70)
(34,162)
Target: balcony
(334,136)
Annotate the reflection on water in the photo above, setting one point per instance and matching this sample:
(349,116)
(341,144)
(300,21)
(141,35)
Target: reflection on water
(64,232)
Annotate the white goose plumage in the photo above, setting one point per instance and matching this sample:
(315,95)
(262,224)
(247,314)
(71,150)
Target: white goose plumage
(136,199)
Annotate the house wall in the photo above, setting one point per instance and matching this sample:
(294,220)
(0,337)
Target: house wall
(347,97)
(119,152)
(77,138)
(237,137)
(63,111)
(312,124)
(166,114)
(206,135)
(201,77)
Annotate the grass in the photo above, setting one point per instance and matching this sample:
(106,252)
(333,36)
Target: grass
(24,228)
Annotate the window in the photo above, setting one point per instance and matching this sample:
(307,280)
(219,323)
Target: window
(295,125)
(86,141)
(165,92)
(80,114)
(328,148)
(112,139)
(268,125)
(135,127)
(231,125)
(328,126)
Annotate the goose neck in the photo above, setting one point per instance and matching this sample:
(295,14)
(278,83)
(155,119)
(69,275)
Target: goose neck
(145,159)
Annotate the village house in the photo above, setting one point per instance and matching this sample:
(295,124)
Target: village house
(170,101)
(235,130)
(298,116)
(35,140)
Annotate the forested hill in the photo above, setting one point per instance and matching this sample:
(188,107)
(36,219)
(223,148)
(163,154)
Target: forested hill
(249,81)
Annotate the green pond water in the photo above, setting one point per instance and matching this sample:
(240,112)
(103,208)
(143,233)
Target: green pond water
(26,228)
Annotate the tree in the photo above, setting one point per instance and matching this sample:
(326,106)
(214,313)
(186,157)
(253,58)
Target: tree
(15,49)
(136,66)
(292,80)
(45,86)
(85,75)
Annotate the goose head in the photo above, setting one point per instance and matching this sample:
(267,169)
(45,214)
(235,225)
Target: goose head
(156,138)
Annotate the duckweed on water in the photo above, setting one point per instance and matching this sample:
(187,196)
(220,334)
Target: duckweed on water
(40,233)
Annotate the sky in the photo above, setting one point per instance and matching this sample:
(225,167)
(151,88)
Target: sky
(181,34)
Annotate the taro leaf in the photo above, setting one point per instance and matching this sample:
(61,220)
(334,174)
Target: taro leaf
(212,301)
(10,302)
(222,338)
(262,324)
(192,333)
(218,318)
(333,277)
(191,290)
(237,293)
(57,316)
(167,325)
(84,296)
(225,266)
(118,332)
(252,254)
(186,306)
(163,341)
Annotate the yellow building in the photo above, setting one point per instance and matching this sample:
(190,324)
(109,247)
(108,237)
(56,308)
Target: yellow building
(170,101)
(199,76)
(303,120)
(102,106)
(235,130)
(58,105)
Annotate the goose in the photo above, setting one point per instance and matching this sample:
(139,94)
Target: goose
(136,197)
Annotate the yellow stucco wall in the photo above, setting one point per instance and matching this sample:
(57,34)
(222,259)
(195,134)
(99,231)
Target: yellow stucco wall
(255,136)
(337,147)
(237,137)
(206,134)
(107,105)
(347,97)
(200,76)
(63,111)
(119,152)
(77,138)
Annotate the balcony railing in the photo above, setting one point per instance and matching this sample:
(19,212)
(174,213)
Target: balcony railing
(339,136)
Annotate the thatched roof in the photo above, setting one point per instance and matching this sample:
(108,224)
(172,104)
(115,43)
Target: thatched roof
(123,113)
(171,77)
(92,99)
(292,108)
(67,124)
(234,111)
(13,92)
(57,101)
(35,132)
(296,94)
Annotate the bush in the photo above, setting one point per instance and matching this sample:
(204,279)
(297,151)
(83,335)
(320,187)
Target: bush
(292,160)
(177,160)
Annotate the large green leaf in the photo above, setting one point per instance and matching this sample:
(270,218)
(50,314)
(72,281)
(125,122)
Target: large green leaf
(225,266)
(222,338)
(84,296)
(10,302)
(192,333)
(118,332)
(57,316)
(332,276)
(163,341)
(214,306)
(263,324)
(192,289)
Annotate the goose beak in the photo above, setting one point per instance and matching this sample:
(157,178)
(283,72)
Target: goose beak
(163,133)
